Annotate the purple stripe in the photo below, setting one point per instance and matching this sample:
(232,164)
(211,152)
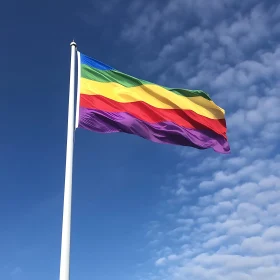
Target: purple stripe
(163,132)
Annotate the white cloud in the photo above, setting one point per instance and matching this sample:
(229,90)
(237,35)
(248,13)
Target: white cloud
(160,262)
(272,233)
(234,230)
(214,242)
(259,246)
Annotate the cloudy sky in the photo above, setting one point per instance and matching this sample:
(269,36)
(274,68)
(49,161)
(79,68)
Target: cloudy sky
(141,211)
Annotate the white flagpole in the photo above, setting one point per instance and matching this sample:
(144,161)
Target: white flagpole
(78,90)
(66,223)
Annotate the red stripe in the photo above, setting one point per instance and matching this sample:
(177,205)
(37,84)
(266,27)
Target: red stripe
(146,112)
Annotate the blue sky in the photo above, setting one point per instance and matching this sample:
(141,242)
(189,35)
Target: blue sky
(141,210)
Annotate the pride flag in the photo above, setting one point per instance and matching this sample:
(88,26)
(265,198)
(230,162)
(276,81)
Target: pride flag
(112,101)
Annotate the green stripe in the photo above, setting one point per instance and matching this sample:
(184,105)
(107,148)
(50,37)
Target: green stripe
(106,76)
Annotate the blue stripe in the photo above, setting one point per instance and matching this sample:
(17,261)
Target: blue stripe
(94,63)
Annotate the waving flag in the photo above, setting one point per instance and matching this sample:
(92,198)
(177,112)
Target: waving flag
(112,101)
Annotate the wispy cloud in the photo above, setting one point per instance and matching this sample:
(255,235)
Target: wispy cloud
(16,271)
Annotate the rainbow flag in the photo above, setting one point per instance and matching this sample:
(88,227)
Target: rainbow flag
(112,101)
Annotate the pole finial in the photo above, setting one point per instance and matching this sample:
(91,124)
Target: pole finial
(73,43)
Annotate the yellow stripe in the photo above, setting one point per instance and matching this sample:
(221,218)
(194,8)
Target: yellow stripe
(153,95)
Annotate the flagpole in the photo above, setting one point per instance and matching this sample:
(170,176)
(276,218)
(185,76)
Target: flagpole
(66,223)
(78,90)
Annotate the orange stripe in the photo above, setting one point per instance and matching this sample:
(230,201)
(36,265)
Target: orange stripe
(146,112)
